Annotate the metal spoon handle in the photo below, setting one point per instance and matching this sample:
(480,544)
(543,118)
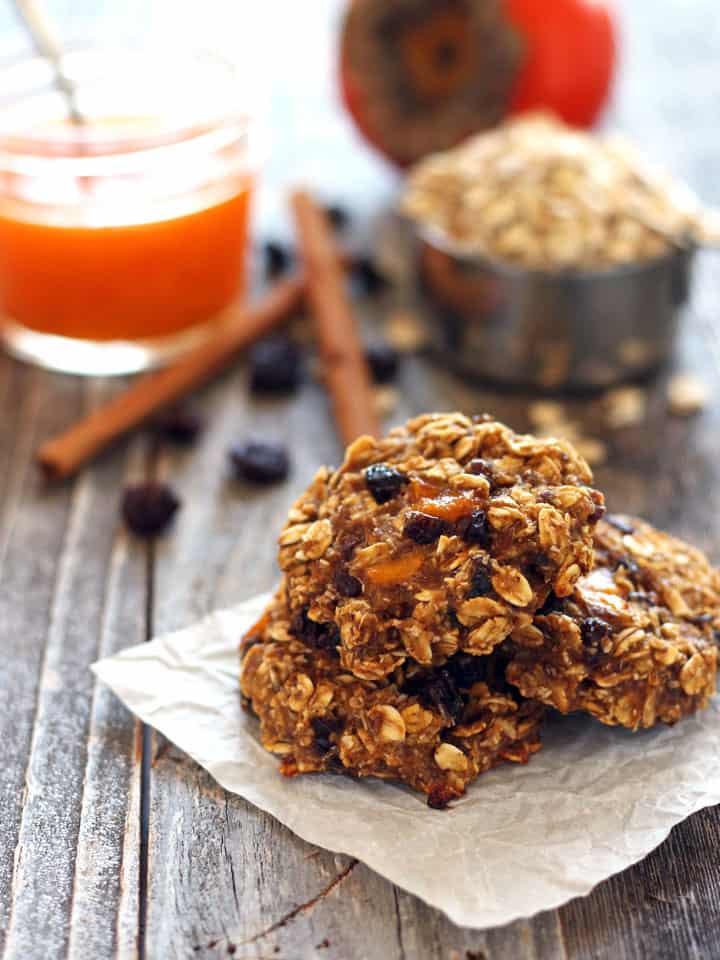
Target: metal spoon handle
(47,44)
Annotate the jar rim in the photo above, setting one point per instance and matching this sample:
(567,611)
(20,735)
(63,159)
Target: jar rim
(206,121)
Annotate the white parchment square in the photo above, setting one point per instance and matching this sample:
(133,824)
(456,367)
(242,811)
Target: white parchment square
(526,838)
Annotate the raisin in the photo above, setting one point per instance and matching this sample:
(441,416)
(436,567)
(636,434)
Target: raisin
(439,796)
(475,529)
(592,630)
(439,690)
(480,467)
(700,619)
(337,215)
(148,508)
(630,566)
(178,425)
(275,365)
(324,728)
(467,669)
(480,582)
(620,523)
(384,482)
(347,585)
(367,278)
(278,258)
(453,618)
(536,568)
(383,361)
(553,604)
(320,636)
(423,528)
(258,462)
(347,544)
(599,511)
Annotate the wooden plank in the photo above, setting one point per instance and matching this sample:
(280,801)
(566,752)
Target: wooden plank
(30,542)
(70,591)
(666,907)
(238,872)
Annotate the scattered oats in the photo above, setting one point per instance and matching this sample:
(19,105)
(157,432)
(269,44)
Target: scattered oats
(562,430)
(594,451)
(625,407)
(405,331)
(686,395)
(545,413)
(385,401)
(635,353)
(708,231)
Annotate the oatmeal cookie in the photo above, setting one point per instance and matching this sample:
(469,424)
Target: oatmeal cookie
(444,536)
(435,730)
(636,643)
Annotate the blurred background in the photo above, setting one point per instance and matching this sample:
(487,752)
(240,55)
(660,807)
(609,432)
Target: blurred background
(294,48)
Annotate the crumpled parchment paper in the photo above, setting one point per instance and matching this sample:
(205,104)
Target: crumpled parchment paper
(526,838)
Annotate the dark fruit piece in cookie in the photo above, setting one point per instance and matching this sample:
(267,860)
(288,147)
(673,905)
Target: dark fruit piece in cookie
(321,636)
(384,482)
(422,528)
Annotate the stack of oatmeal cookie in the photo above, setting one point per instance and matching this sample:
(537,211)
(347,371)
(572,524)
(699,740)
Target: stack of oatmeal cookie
(449,582)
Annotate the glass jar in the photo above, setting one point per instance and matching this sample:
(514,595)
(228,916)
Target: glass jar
(123,239)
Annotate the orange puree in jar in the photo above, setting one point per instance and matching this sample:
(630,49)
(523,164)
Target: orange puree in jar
(123,237)
(134,281)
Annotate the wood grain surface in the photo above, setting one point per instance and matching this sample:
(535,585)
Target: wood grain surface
(112,842)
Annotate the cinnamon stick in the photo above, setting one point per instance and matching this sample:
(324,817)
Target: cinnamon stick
(63,455)
(343,359)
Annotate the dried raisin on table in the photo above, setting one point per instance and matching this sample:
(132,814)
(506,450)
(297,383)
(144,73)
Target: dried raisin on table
(275,365)
(367,278)
(337,215)
(148,508)
(178,425)
(258,462)
(278,258)
(383,361)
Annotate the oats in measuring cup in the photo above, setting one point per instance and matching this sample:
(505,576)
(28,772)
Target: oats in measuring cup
(541,194)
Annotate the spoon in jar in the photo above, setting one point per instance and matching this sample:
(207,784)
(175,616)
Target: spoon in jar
(48,46)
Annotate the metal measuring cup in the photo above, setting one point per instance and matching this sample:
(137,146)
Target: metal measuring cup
(573,329)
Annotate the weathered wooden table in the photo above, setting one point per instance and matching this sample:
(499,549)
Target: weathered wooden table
(112,842)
